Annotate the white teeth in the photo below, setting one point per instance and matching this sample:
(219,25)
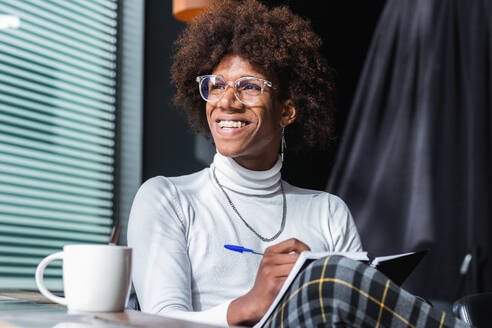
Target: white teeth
(231,124)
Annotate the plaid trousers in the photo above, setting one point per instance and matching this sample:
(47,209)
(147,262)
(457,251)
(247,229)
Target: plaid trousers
(339,292)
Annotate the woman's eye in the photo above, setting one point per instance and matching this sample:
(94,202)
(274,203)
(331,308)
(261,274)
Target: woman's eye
(250,86)
(217,86)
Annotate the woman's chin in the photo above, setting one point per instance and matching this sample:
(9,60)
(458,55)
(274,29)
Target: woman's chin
(229,151)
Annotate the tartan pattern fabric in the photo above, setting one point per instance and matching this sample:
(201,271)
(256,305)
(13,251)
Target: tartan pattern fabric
(339,292)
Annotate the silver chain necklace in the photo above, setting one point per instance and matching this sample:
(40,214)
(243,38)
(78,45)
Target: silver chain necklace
(282,225)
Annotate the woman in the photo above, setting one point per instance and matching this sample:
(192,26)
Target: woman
(247,75)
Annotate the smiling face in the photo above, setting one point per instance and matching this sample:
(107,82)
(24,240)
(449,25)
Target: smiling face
(250,134)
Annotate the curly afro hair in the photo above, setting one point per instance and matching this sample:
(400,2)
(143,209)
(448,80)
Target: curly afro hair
(279,42)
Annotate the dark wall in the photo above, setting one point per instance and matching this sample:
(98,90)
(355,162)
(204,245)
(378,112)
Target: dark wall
(346,29)
(167,141)
(171,149)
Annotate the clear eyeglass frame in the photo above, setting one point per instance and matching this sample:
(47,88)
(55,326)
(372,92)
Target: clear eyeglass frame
(250,99)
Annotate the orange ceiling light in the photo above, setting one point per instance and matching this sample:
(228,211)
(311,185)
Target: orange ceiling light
(186,10)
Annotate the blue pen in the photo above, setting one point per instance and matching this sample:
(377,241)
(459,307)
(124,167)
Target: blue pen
(241,249)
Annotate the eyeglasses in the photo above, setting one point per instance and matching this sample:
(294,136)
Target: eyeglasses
(247,89)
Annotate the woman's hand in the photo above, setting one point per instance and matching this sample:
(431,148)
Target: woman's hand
(274,268)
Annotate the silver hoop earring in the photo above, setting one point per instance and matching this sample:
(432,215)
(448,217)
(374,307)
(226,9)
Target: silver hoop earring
(283,147)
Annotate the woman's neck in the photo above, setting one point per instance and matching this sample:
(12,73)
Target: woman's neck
(235,176)
(256,163)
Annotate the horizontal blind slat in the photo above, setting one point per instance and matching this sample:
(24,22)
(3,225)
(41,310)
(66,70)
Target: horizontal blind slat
(41,43)
(61,39)
(54,177)
(111,4)
(13,161)
(72,156)
(39,243)
(52,129)
(49,118)
(41,93)
(25,261)
(47,157)
(55,65)
(74,19)
(22,221)
(65,235)
(54,205)
(54,186)
(53,28)
(30,251)
(27,45)
(29,271)
(54,196)
(9,210)
(55,139)
(84,168)
(54,83)
(60,78)
(108,20)
(93,5)
(27,283)
(103,120)
(63,23)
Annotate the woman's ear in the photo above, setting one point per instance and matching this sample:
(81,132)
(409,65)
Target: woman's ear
(288,114)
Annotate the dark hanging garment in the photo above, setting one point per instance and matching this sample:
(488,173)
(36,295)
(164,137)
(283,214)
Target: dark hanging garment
(415,162)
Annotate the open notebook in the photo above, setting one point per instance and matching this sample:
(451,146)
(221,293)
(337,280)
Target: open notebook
(396,267)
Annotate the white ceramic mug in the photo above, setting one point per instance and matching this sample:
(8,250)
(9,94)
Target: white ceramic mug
(96,278)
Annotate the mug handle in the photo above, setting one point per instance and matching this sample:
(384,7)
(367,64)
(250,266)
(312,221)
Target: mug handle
(40,277)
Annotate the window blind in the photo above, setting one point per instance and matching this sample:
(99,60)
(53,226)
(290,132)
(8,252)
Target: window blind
(57,131)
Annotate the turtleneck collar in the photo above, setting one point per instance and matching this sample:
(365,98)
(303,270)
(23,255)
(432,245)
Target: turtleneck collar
(233,176)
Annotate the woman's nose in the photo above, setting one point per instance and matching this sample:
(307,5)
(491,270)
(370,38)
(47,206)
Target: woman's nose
(229,98)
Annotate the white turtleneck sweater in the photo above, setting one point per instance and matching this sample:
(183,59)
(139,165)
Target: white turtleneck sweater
(178,228)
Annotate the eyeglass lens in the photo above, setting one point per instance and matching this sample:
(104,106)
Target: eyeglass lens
(247,90)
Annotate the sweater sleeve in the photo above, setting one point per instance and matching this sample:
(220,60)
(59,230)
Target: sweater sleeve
(161,270)
(344,232)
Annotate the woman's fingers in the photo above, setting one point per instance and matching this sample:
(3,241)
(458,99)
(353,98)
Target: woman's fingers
(277,271)
(282,258)
(288,246)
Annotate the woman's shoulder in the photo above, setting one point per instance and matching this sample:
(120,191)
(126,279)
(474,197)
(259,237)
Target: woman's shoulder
(162,194)
(314,193)
(184,183)
(331,202)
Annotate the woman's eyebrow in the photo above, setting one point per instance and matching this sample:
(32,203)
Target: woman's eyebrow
(240,77)
(249,75)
